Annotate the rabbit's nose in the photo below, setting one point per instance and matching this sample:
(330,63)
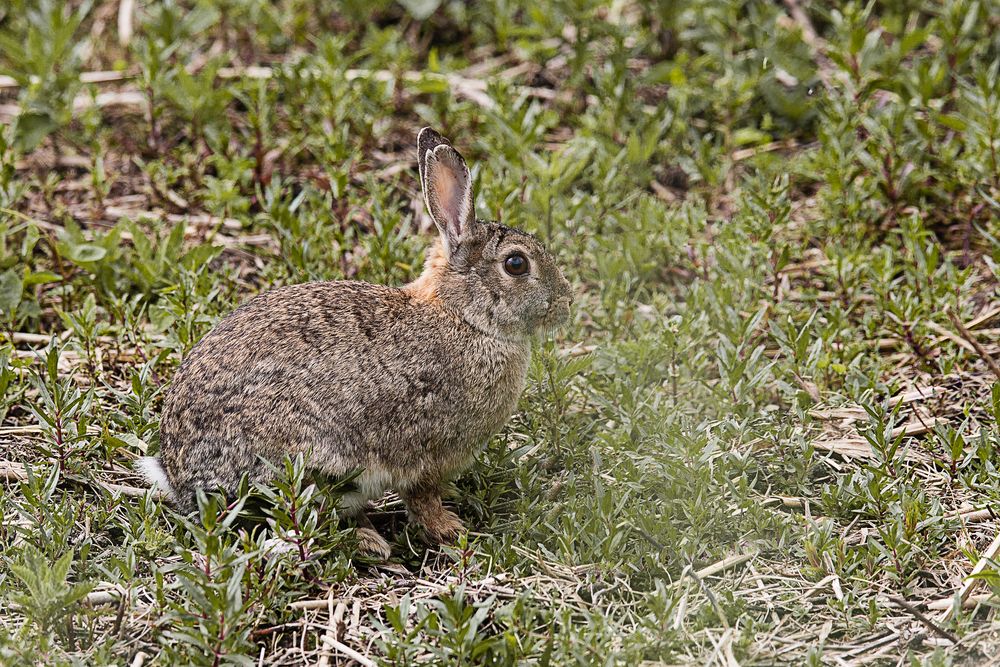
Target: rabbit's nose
(566,294)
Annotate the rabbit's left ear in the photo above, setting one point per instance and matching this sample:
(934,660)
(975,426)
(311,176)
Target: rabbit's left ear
(447,186)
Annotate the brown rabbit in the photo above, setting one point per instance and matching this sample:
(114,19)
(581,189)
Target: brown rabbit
(405,383)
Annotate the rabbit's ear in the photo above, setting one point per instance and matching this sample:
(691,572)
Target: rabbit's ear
(447,186)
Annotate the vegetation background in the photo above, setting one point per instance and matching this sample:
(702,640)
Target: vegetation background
(769,435)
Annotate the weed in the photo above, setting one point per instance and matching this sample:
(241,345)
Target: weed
(761,426)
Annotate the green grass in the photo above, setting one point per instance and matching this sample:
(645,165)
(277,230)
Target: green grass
(761,431)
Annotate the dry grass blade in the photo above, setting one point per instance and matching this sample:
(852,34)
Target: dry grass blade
(97,598)
(126,17)
(958,600)
(985,317)
(335,619)
(12,472)
(304,605)
(725,564)
(926,622)
(974,342)
(949,335)
(973,515)
(972,601)
(348,651)
(130,491)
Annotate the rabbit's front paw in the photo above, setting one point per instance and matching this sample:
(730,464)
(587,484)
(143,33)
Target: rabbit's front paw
(425,508)
(443,527)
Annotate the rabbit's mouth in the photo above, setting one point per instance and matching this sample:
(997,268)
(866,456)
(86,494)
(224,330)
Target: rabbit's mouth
(557,314)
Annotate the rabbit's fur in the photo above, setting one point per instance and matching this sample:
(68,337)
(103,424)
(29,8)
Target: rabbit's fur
(405,383)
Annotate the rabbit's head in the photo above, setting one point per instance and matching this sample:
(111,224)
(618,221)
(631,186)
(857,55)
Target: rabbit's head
(501,280)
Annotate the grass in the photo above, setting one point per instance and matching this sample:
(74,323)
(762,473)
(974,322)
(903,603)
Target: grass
(768,436)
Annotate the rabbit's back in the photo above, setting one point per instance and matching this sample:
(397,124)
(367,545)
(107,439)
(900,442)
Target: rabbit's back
(353,375)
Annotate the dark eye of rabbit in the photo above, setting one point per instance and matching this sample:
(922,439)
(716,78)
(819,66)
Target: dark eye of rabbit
(516,264)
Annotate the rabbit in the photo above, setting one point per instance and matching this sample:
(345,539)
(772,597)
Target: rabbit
(404,383)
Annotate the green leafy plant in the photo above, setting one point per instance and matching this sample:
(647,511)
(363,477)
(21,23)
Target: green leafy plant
(773,414)
(50,600)
(45,56)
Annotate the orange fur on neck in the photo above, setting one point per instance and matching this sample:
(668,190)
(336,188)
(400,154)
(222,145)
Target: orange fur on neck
(425,287)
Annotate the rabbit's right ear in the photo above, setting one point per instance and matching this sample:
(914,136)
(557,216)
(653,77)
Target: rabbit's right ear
(447,186)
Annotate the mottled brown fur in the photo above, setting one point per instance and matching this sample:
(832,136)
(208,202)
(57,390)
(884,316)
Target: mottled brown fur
(405,383)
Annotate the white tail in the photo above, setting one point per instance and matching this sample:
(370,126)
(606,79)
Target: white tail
(152,470)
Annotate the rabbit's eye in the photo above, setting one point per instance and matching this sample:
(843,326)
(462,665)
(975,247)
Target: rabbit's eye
(516,264)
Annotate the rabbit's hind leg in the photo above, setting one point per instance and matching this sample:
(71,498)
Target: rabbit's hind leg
(424,506)
(370,542)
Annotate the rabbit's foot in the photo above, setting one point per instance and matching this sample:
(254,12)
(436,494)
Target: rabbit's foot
(444,527)
(372,544)
(425,508)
